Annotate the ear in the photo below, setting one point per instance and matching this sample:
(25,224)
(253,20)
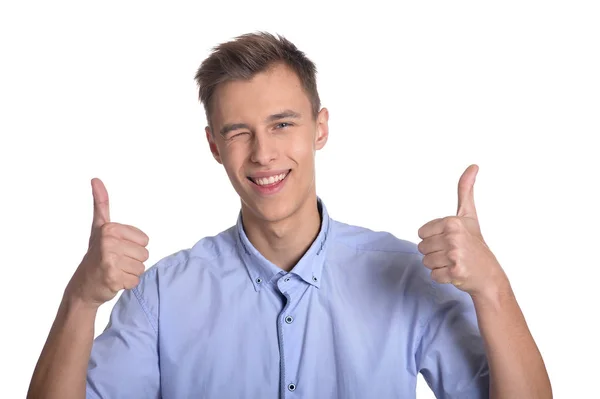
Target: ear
(322,128)
(212,145)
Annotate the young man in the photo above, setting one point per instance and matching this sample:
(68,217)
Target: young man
(288,302)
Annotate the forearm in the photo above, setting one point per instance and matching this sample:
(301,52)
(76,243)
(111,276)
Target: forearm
(62,367)
(516,366)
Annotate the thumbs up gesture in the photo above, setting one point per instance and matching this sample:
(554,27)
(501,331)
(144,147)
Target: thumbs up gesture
(114,259)
(454,248)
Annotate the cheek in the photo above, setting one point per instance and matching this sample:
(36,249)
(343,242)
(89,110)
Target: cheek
(301,148)
(233,160)
(234,155)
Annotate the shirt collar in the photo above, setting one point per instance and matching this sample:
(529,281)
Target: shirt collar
(309,267)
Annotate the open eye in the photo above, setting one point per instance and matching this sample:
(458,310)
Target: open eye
(283,125)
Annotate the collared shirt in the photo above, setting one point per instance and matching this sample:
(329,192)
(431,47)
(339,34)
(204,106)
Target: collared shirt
(357,317)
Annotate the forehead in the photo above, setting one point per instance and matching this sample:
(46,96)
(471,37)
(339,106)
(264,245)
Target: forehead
(266,93)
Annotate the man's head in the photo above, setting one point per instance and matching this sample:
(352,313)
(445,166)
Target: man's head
(264,119)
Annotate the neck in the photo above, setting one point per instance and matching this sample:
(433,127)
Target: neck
(285,241)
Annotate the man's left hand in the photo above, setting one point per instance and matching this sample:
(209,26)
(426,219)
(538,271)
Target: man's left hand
(454,248)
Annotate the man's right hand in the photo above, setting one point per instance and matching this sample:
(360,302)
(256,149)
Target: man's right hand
(114,259)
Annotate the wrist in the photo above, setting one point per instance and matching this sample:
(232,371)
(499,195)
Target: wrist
(495,294)
(76,303)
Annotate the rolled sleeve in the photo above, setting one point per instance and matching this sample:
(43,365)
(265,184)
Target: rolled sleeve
(124,361)
(451,355)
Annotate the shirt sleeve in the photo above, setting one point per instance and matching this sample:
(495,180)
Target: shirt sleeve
(124,360)
(450,353)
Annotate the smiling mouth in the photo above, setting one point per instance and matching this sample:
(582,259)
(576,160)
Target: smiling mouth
(269,181)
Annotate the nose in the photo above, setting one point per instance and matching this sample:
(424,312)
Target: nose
(264,149)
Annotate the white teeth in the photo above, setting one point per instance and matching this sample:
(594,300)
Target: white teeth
(263,181)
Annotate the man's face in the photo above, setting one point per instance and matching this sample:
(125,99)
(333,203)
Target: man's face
(266,138)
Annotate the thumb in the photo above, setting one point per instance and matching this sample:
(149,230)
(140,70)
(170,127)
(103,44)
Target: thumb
(466,198)
(101,208)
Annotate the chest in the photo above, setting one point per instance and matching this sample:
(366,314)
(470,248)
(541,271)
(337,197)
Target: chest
(291,340)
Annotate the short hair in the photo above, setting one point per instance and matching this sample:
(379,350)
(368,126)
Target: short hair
(249,54)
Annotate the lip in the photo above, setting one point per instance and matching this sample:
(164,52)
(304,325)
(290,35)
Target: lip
(270,189)
(268,173)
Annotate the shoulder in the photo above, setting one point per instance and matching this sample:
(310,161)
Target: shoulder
(205,252)
(178,270)
(399,263)
(397,260)
(379,253)
(359,238)
(206,249)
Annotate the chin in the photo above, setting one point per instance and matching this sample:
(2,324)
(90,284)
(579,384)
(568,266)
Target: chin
(273,211)
(269,210)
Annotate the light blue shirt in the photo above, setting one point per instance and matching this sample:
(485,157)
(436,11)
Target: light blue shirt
(358,317)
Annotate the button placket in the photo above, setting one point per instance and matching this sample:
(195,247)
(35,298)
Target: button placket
(293,313)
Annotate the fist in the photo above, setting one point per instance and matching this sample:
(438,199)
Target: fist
(454,249)
(114,259)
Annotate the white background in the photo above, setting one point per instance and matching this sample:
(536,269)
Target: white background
(416,93)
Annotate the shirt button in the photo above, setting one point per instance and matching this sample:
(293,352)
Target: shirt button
(289,319)
(259,280)
(314,279)
(292,387)
(287,279)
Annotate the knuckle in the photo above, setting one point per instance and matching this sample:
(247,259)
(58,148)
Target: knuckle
(453,224)
(146,239)
(108,242)
(131,283)
(146,254)
(112,279)
(139,268)
(453,238)
(453,255)
(108,228)
(434,275)
(439,276)
(110,258)
(457,272)
(427,261)
(140,237)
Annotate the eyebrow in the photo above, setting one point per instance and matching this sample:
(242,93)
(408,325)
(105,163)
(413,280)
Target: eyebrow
(288,113)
